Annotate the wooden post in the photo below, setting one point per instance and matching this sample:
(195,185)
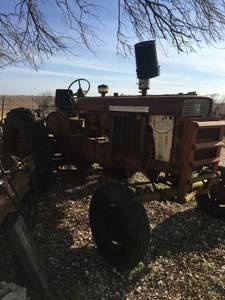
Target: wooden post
(3,103)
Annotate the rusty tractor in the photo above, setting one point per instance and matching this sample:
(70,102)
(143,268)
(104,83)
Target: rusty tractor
(172,139)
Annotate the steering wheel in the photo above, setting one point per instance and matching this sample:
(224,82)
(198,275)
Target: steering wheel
(80,92)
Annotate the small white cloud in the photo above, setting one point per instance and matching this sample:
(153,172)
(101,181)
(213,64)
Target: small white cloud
(207,60)
(88,64)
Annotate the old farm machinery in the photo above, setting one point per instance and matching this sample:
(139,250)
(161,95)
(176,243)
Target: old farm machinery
(172,139)
(18,214)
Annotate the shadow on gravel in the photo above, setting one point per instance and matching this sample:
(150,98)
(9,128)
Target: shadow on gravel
(75,185)
(75,267)
(185,232)
(76,271)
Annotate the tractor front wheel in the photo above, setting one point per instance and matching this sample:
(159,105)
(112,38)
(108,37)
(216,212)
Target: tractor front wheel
(210,205)
(119,225)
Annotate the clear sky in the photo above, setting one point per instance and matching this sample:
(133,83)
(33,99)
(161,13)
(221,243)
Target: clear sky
(203,71)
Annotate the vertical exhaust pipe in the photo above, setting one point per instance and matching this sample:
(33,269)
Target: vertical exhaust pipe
(146,63)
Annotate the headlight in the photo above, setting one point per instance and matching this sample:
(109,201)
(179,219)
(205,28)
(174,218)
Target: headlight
(196,107)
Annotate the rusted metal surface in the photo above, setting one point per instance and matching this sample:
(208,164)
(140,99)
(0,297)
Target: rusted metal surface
(132,132)
(60,125)
(14,185)
(158,104)
(193,159)
(22,242)
(210,124)
(208,145)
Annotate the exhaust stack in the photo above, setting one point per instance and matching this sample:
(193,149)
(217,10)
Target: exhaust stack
(147,64)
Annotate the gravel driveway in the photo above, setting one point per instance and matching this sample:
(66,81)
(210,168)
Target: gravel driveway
(222,157)
(186,257)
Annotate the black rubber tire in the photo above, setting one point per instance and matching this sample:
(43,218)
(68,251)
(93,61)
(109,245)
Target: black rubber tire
(119,226)
(209,206)
(24,136)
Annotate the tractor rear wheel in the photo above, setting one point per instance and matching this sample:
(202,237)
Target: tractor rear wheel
(24,136)
(119,225)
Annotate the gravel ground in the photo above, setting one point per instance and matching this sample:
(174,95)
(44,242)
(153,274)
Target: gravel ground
(185,260)
(222,155)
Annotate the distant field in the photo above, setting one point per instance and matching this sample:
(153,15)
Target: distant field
(32,102)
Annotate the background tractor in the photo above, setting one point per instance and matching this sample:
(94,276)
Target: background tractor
(172,139)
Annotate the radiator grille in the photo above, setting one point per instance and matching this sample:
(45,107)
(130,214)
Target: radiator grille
(196,107)
(125,132)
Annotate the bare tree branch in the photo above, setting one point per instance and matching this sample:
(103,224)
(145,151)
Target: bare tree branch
(26,33)
(184,24)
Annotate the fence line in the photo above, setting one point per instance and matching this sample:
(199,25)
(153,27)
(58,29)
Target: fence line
(8,102)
